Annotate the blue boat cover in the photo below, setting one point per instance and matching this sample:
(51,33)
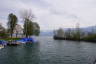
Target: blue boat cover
(27,40)
(2,42)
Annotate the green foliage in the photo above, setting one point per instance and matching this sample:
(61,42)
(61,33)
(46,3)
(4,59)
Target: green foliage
(12,21)
(3,35)
(28,28)
(90,37)
(36,32)
(31,28)
(3,32)
(36,29)
(7,39)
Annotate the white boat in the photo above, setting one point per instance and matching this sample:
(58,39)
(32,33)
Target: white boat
(1,46)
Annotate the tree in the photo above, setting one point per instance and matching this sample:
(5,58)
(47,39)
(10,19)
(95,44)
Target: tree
(27,14)
(60,33)
(68,33)
(77,35)
(3,32)
(36,29)
(28,28)
(27,17)
(18,30)
(12,21)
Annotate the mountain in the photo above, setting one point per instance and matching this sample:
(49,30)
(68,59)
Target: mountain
(85,29)
(89,29)
(46,33)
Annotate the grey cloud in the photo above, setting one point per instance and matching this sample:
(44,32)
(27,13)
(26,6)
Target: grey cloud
(52,14)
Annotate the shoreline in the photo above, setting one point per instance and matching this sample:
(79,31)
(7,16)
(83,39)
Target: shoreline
(72,39)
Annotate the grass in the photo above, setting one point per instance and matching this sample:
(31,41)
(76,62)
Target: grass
(7,39)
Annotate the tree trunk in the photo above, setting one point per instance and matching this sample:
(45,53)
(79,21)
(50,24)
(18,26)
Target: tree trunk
(26,36)
(16,35)
(11,35)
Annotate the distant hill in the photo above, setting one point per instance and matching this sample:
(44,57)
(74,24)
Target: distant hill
(46,33)
(89,29)
(85,29)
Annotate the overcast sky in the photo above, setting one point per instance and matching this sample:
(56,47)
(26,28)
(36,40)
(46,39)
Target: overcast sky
(52,14)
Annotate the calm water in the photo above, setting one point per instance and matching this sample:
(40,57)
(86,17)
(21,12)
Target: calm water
(49,51)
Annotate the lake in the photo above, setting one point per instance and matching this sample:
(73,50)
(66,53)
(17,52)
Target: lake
(49,51)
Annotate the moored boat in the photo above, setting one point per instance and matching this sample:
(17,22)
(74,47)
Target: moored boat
(13,43)
(1,46)
(27,40)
